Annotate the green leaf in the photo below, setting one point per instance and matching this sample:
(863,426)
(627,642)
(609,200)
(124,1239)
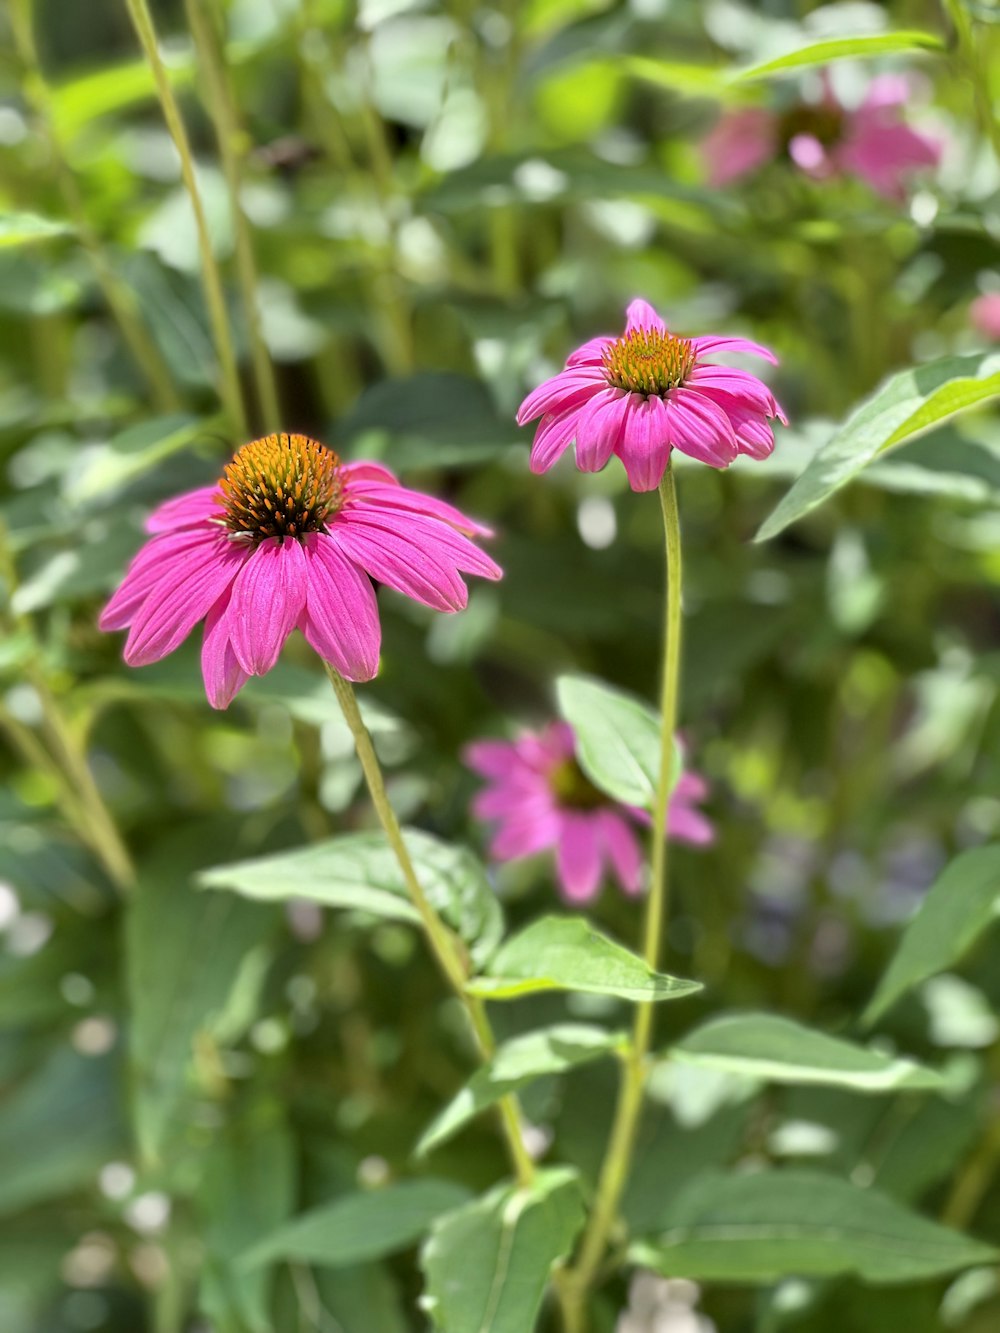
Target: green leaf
(688,80)
(780,1050)
(905,404)
(134,451)
(617,735)
(362,1226)
(516,1063)
(360,871)
(962,902)
(567,953)
(844,48)
(77,102)
(487,1264)
(27,228)
(769,1225)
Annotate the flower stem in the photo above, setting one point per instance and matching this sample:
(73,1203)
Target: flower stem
(972,52)
(446,948)
(576,1281)
(215,300)
(121,300)
(208,45)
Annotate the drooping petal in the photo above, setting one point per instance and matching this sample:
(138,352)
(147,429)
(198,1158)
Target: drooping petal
(391,495)
(710,344)
(341,614)
(360,472)
(555,432)
(740,385)
(153,562)
(491,759)
(568,389)
(221,672)
(685,822)
(884,151)
(185,510)
(645,445)
(622,849)
(268,597)
(578,857)
(525,837)
(740,142)
(700,428)
(641,315)
(598,428)
(183,597)
(590,353)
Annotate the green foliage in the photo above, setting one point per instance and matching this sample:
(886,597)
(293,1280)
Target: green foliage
(618,738)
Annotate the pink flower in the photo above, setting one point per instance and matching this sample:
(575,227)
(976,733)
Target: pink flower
(647,392)
(289,538)
(984,314)
(540,799)
(826,138)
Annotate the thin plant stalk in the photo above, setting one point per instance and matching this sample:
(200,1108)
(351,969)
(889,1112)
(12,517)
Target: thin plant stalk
(973,54)
(121,300)
(232,396)
(575,1282)
(228,132)
(446,948)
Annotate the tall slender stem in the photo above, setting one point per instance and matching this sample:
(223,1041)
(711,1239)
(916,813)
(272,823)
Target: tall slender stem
(121,300)
(225,116)
(973,53)
(446,948)
(215,300)
(575,1282)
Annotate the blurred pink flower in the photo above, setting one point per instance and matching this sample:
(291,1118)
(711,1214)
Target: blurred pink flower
(647,392)
(540,799)
(289,537)
(984,314)
(826,138)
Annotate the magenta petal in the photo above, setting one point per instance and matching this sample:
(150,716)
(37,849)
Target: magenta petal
(525,837)
(700,428)
(341,617)
(567,389)
(392,496)
(362,472)
(155,561)
(181,598)
(598,427)
(622,849)
(710,344)
(740,385)
(578,856)
(641,315)
(490,759)
(645,445)
(221,672)
(268,598)
(590,353)
(555,433)
(185,510)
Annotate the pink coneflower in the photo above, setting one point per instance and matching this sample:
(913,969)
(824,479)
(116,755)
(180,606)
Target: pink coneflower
(290,537)
(540,799)
(984,313)
(825,138)
(647,392)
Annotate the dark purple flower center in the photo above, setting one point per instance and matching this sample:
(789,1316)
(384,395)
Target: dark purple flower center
(818,120)
(573,789)
(281,486)
(649,362)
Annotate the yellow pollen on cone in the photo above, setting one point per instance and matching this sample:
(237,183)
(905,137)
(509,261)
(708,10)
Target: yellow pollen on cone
(648,361)
(281,486)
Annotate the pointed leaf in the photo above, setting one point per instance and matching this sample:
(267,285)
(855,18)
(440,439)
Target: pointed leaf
(617,735)
(844,48)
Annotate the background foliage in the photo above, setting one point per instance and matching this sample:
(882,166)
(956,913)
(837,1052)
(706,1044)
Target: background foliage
(439,201)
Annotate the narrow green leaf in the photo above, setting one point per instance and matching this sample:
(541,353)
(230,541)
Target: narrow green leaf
(516,1063)
(79,101)
(566,953)
(360,871)
(360,1227)
(487,1264)
(27,228)
(780,1050)
(618,738)
(844,48)
(962,902)
(769,1225)
(680,77)
(904,405)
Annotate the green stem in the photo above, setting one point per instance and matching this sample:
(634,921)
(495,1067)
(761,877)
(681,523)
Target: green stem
(215,300)
(121,300)
(974,55)
(576,1281)
(446,948)
(225,116)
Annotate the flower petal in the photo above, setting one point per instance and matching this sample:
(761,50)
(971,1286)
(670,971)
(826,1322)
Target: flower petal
(341,616)
(490,759)
(645,444)
(622,849)
(711,344)
(590,353)
(598,428)
(185,510)
(391,495)
(740,385)
(578,856)
(641,315)
(152,563)
(268,598)
(700,428)
(221,672)
(555,432)
(568,389)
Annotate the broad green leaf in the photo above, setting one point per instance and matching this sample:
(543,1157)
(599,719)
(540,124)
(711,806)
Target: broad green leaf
(27,228)
(134,451)
(679,77)
(962,902)
(780,1050)
(516,1063)
(360,871)
(79,101)
(617,737)
(844,48)
(487,1264)
(904,405)
(360,1227)
(769,1225)
(567,953)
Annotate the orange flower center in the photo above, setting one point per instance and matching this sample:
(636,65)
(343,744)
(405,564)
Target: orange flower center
(648,361)
(281,486)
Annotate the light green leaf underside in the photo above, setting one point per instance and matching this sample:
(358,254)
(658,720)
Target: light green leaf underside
(618,738)
(27,228)
(960,905)
(487,1264)
(360,1227)
(779,1050)
(843,48)
(516,1063)
(762,1227)
(904,405)
(360,871)
(566,953)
